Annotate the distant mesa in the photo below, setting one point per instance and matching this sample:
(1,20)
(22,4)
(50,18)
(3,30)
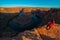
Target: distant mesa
(17,9)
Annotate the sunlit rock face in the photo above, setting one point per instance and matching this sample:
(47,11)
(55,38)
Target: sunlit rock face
(38,33)
(17,9)
(10,10)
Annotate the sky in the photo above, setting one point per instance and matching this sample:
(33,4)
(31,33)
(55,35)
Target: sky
(30,3)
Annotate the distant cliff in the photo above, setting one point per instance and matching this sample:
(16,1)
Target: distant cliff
(17,9)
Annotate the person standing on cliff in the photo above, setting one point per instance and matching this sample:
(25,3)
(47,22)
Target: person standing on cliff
(50,25)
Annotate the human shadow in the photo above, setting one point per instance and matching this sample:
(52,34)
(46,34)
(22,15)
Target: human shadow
(44,37)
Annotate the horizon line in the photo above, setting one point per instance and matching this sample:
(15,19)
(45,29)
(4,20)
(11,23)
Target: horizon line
(40,6)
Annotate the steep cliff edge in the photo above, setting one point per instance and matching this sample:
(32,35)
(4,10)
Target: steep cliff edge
(40,32)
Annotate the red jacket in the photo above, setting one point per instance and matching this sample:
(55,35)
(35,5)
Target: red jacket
(50,24)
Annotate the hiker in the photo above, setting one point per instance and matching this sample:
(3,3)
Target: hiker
(50,25)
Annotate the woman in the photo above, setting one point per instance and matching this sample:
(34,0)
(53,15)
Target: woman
(50,25)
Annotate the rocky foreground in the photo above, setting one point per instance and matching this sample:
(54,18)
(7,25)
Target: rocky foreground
(40,33)
(35,34)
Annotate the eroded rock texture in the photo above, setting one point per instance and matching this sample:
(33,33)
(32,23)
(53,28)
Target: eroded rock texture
(37,33)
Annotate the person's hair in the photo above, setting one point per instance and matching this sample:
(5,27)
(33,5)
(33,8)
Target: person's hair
(52,20)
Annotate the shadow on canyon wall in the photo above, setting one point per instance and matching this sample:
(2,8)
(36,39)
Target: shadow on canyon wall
(44,37)
(46,16)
